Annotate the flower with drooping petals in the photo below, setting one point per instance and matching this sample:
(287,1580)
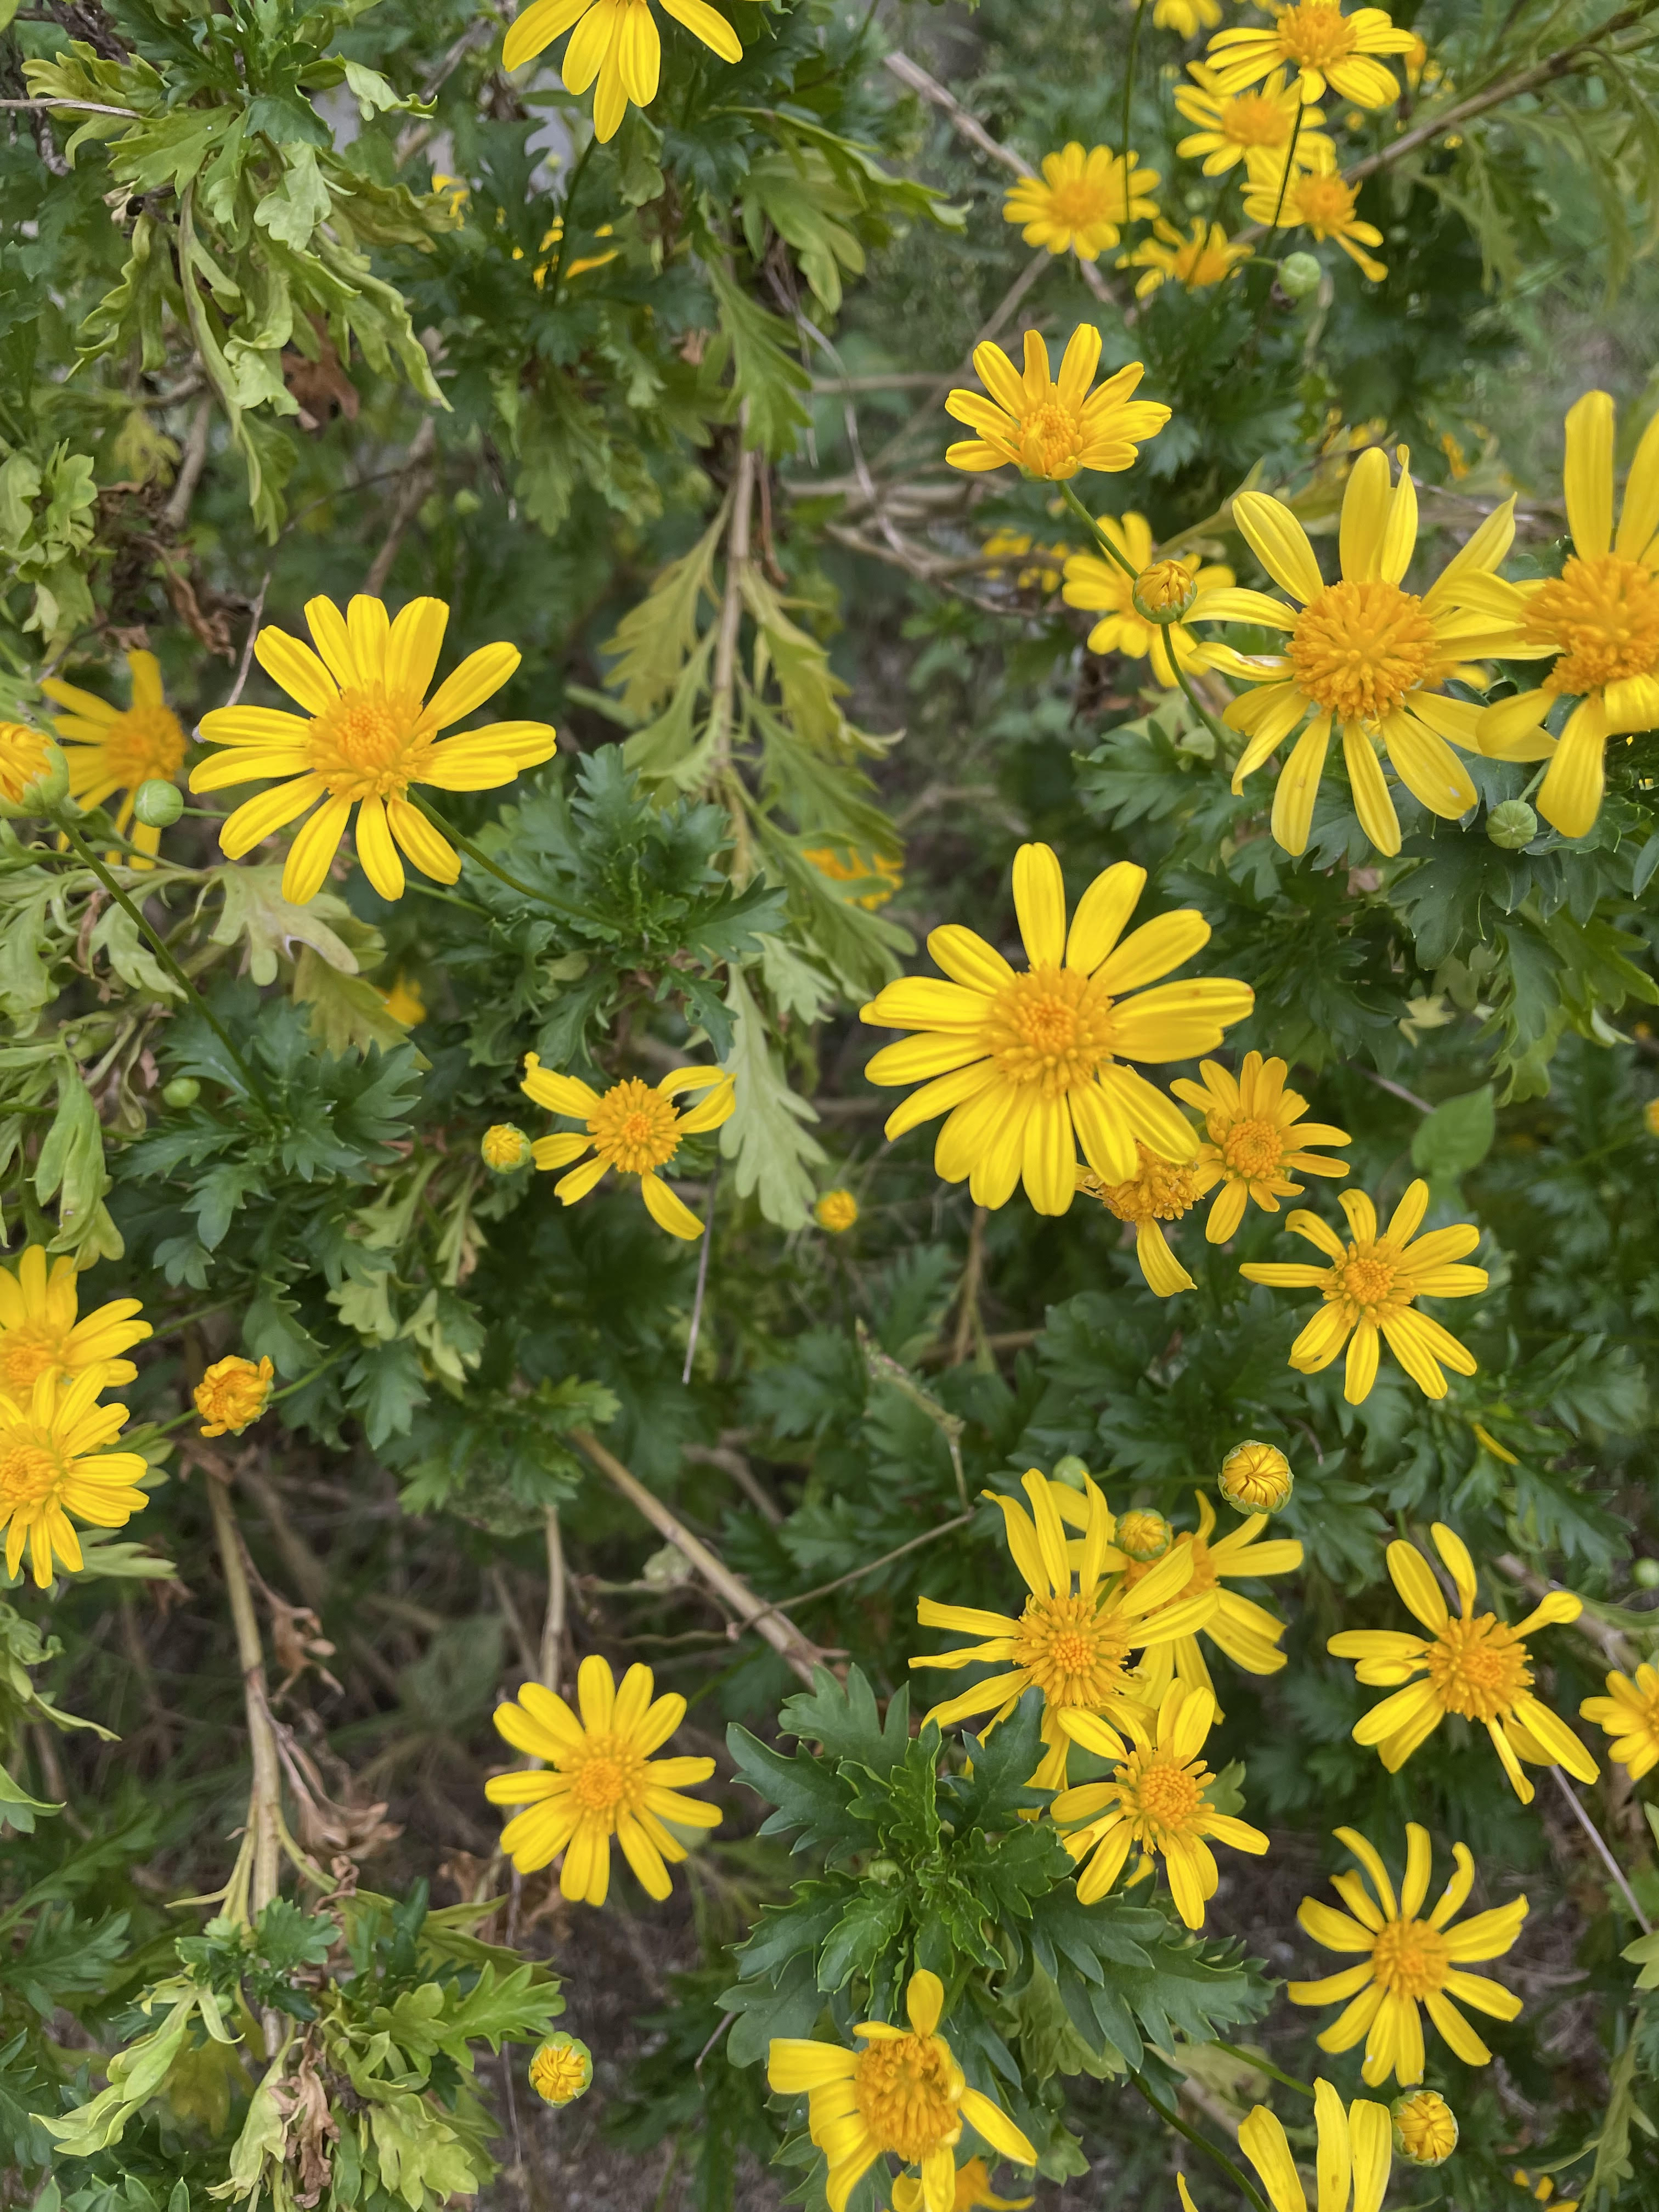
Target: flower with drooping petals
(110,749)
(40,1335)
(1255,1131)
(1081,201)
(232,1395)
(53,1462)
(973,2192)
(634,1127)
(1160,1190)
(1102,587)
(1233,126)
(1324,46)
(1204,257)
(1470,1663)
(561,2070)
(1245,1632)
(1630,1715)
(615,41)
(1053,428)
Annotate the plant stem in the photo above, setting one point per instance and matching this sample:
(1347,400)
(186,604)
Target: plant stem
(553,1619)
(1603,1851)
(265,1800)
(1099,536)
(1201,2142)
(1261,2066)
(1129,97)
(179,1420)
(482,859)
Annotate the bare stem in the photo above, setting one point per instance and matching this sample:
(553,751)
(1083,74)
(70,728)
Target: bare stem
(553,1619)
(265,1799)
(1603,1851)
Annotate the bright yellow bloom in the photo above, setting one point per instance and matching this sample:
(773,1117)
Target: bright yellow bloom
(372,733)
(903,2096)
(39,1333)
(1252,1124)
(561,2070)
(1081,201)
(1156,1798)
(1368,1287)
(1246,1633)
(973,2192)
(1188,17)
(1255,1478)
(1203,259)
(1075,1645)
(843,864)
(1159,1190)
(1362,654)
(599,1781)
(1424,2128)
(615,41)
(1324,46)
(1317,200)
(1032,577)
(1030,1065)
(1098,585)
(504,1148)
(26,763)
(1053,428)
(837,1211)
(1234,125)
(633,1127)
(53,1464)
(110,750)
(1408,1960)
(1472,1664)
(1352,2152)
(1630,1715)
(1600,617)
(232,1395)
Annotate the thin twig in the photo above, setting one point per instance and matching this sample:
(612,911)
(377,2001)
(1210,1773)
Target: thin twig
(176,513)
(1394,1090)
(264,1801)
(80,107)
(928,1536)
(253,622)
(553,1619)
(413,489)
(724,676)
(968,1320)
(1200,2142)
(1602,1852)
(703,1277)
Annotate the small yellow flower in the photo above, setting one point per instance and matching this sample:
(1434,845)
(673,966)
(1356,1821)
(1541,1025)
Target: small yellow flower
(1051,427)
(561,2070)
(1630,1715)
(1424,2128)
(615,41)
(1408,1960)
(1317,200)
(1543,2191)
(1471,1663)
(1233,126)
(53,1464)
(1101,586)
(1369,1286)
(1188,17)
(1156,1798)
(1204,258)
(1081,201)
(973,2192)
(599,1781)
(1246,1633)
(579,263)
(370,734)
(404,1002)
(1255,1478)
(1160,1190)
(837,1211)
(1256,1133)
(504,1148)
(843,864)
(903,2096)
(1351,2151)
(232,1395)
(40,1335)
(1324,46)
(27,762)
(110,749)
(633,1127)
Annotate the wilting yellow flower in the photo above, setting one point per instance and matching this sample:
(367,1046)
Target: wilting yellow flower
(1600,617)
(635,1127)
(1081,201)
(1472,1664)
(1156,1798)
(404,1002)
(1369,1288)
(1407,1961)
(1352,2152)
(561,2070)
(837,1211)
(903,2095)
(53,1464)
(504,1148)
(1317,200)
(1234,125)
(1247,1633)
(615,41)
(1255,1131)
(1031,1065)
(1362,654)
(39,1333)
(1160,1190)
(110,750)
(1201,259)
(842,865)
(371,734)
(1073,1645)
(973,2192)
(1255,1478)
(1630,1715)
(1188,17)
(1324,46)
(233,1394)
(599,1781)
(1424,2128)
(1100,585)
(1034,577)
(1052,429)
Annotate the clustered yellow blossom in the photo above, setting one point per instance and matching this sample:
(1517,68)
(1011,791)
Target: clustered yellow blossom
(1205,256)
(233,1394)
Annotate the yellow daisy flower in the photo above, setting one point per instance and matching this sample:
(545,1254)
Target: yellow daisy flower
(232,1395)
(1073,1645)
(1198,261)
(1353,2152)
(1235,125)
(1188,17)
(1081,201)
(1369,1288)
(633,1127)
(109,748)
(1159,1191)
(1246,1633)
(40,1335)
(1471,1663)
(53,1464)
(1053,428)
(846,865)
(1032,1064)
(369,733)
(1324,46)
(1408,1960)
(973,2192)
(1317,200)
(1600,617)
(1100,586)
(615,41)
(1362,653)
(1255,1131)
(1630,1715)
(903,2096)
(1156,1798)
(599,1781)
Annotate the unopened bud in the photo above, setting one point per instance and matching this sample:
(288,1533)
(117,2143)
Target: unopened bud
(1145,1535)
(1424,2128)
(1163,593)
(1511,824)
(561,2070)
(1070,1471)
(158,805)
(1300,274)
(1255,1478)
(182,1090)
(503,1148)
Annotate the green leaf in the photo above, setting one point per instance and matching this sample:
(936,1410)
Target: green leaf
(843,1720)
(774,1156)
(1455,1137)
(766,377)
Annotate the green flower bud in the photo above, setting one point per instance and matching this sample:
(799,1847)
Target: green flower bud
(885,1871)
(1163,593)
(1511,824)
(183,1090)
(1070,1471)
(1645,1574)
(158,805)
(1300,274)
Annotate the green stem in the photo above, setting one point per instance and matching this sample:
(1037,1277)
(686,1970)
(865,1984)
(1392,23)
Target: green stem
(1260,2066)
(481,859)
(1129,97)
(190,1413)
(1201,2142)
(558,276)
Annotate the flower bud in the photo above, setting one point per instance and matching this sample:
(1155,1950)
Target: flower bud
(34,773)
(233,1394)
(157,803)
(183,1090)
(884,1871)
(1255,1478)
(503,1148)
(1645,1574)
(837,1211)
(561,2070)
(1163,593)
(1424,2128)
(1511,824)
(1070,1471)
(1300,274)
(1144,1534)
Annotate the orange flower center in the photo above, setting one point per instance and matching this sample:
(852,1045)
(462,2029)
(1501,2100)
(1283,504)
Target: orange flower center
(31,1476)
(145,742)
(26,1353)
(635,1127)
(1325,204)
(366,745)
(1252,1148)
(1252,119)
(1410,1959)
(1315,34)
(1077,204)
(1477,1668)
(1368,1276)
(1050,439)
(1604,614)
(608,1778)
(1051,1026)
(907,2088)
(1167,1797)
(1162,1191)
(1359,648)
(1073,1656)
